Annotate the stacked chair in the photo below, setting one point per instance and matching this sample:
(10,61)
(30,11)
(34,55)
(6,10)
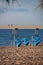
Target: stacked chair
(25,41)
(35,41)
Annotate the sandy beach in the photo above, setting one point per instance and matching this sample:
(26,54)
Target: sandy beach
(21,26)
(23,55)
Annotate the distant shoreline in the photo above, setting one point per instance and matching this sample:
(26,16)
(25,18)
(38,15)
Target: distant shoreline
(20,27)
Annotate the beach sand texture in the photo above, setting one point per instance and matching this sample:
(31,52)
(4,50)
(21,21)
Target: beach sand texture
(21,27)
(23,55)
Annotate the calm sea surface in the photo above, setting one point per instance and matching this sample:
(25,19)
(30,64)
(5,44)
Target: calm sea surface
(6,36)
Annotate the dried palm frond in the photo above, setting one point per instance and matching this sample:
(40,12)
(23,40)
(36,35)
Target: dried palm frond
(41,4)
(7,1)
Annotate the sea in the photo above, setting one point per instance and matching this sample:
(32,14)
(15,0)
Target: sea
(7,35)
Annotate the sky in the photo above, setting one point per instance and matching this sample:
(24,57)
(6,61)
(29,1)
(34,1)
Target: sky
(25,14)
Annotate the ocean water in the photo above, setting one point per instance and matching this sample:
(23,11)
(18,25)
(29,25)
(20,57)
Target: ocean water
(7,36)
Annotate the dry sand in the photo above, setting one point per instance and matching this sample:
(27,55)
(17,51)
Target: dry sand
(23,55)
(21,26)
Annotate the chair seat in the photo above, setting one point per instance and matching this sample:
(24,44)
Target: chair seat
(36,41)
(17,42)
(25,41)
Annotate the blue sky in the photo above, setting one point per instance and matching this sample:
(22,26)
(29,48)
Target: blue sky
(26,14)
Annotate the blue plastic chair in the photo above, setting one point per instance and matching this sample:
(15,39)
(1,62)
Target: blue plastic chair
(17,42)
(36,41)
(25,41)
